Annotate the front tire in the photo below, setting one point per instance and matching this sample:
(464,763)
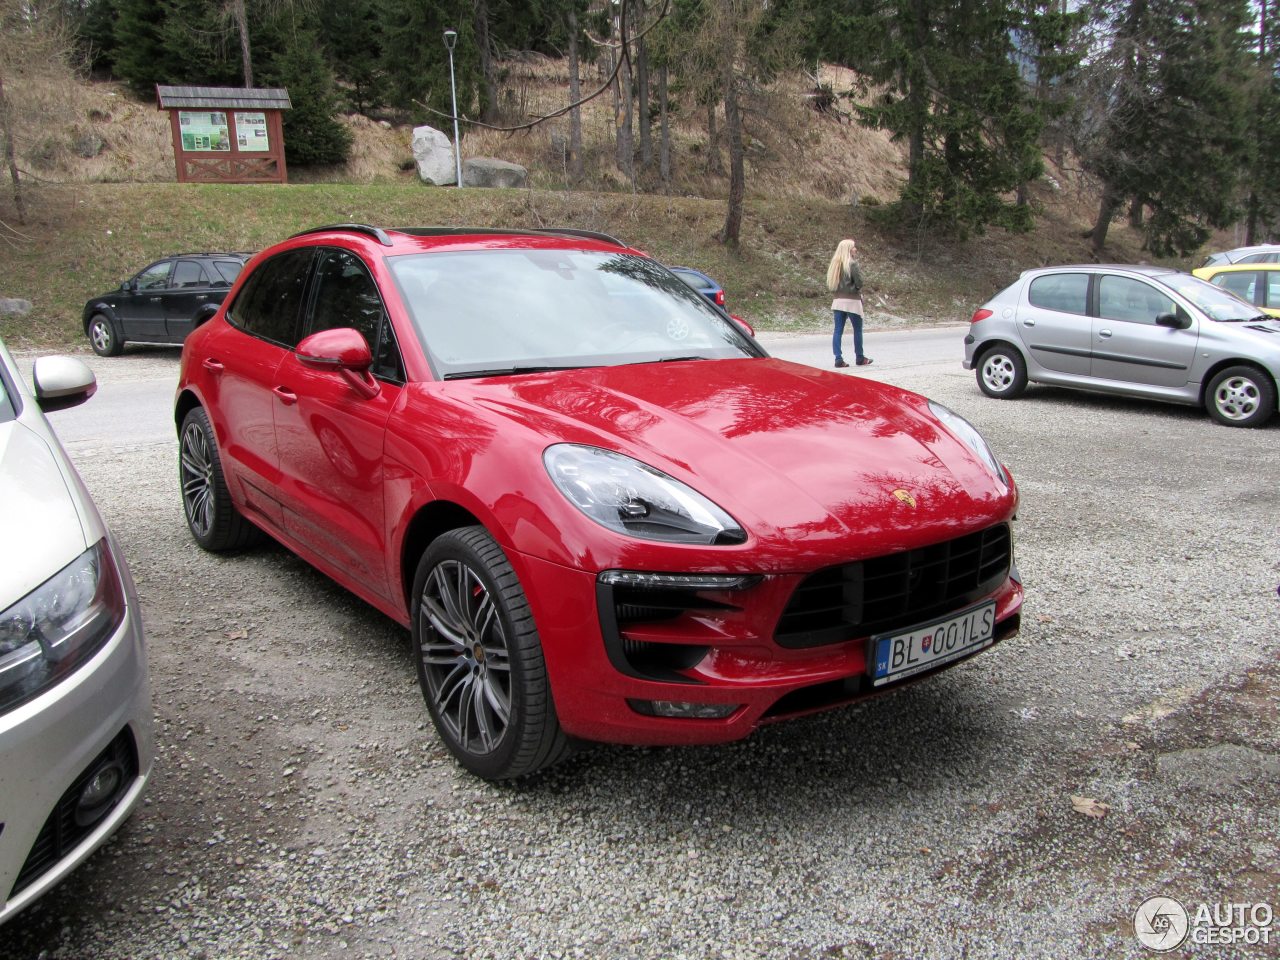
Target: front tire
(212,518)
(479,659)
(1241,396)
(103,337)
(1002,373)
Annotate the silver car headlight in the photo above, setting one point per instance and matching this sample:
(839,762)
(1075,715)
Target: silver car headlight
(59,625)
(635,499)
(968,434)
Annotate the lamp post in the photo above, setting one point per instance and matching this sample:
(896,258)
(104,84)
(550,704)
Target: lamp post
(450,38)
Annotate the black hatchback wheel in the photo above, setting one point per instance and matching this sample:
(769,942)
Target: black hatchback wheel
(212,518)
(479,660)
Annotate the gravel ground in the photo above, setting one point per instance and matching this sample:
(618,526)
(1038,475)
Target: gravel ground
(302,806)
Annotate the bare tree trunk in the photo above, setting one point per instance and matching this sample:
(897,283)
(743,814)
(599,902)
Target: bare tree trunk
(488,68)
(575,94)
(626,138)
(242,27)
(732,233)
(714,164)
(1251,219)
(664,148)
(10,155)
(1135,213)
(642,94)
(1106,210)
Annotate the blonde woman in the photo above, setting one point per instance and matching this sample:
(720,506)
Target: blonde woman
(844,279)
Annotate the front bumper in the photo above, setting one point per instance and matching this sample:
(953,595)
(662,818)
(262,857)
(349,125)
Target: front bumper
(725,652)
(98,715)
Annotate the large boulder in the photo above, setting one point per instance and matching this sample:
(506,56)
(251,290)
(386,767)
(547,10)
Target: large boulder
(491,172)
(14,308)
(433,152)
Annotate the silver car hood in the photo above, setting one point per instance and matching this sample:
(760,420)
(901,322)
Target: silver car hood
(43,528)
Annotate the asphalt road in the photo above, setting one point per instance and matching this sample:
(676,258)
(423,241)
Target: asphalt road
(1022,805)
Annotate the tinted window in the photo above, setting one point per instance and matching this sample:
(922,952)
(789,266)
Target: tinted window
(1123,298)
(346,296)
(1065,292)
(188,273)
(155,276)
(1241,284)
(1253,258)
(269,302)
(228,270)
(1273,288)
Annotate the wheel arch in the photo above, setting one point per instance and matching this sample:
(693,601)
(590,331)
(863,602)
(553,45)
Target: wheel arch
(92,310)
(186,402)
(430,521)
(988,345)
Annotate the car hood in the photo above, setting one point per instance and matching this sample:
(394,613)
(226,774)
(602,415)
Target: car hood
(42,527)
(1264,331)
(792,452)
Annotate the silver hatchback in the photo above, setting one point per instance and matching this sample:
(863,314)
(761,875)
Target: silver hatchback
(1135,330)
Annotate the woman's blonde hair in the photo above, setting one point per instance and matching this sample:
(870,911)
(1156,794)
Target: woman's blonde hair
(840,264)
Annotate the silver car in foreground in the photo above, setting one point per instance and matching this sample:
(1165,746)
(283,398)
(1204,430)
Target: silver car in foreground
(1140,331)
(75,704)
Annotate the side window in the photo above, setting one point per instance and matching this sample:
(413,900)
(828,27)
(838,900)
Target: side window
(1273,288)
(347,296)
(268,305)
(188,273)
(1064,292)
(1254,258)
(1242,284)
(1123,298)
(228,270)
(156,276)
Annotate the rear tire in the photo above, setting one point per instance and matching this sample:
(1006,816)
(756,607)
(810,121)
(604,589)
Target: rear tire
(212,518)
(1001,372)
(103,337)
(479,659)
(1241,396)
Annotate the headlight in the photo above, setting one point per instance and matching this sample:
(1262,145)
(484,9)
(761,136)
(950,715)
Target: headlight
(634,499)
(968,434)
(59,625)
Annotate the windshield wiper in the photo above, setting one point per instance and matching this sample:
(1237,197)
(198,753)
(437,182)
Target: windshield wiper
(506,371)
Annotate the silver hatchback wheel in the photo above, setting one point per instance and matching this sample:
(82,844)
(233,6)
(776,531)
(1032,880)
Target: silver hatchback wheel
(1237,398)
(1241,396)
(1002,373)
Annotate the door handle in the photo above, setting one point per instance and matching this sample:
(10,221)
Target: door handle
(212,365)
(1104,334)
(1029,322)
(287,396)
(155,299)
(202,296)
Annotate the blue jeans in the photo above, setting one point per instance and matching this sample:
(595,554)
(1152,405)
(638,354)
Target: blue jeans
(855,321)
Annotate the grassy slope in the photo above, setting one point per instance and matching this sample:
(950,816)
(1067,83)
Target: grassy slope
(85,238)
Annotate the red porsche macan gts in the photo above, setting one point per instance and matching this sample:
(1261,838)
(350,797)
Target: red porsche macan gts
(602,510)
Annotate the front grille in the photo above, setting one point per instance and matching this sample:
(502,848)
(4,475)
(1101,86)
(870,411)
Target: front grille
(895,591)
(61,833)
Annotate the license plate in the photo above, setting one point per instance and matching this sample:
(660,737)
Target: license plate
(929,645)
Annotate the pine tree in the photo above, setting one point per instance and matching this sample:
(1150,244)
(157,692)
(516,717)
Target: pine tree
(416,62)
(312,135)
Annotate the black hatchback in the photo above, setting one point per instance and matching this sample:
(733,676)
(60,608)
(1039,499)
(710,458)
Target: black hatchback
(162,303)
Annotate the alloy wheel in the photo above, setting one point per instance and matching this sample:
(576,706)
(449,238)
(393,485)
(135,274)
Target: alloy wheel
(1237,398)
(197,479)
(998,372)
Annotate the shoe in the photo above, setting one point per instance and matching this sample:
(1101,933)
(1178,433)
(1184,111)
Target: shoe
(841,363)
(864,362)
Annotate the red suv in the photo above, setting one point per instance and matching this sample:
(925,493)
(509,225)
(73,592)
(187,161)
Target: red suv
(601,509)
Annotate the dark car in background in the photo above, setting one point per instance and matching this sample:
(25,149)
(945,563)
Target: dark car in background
(162,303)
(699,281)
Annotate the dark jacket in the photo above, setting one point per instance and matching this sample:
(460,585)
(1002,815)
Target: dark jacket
(850,283)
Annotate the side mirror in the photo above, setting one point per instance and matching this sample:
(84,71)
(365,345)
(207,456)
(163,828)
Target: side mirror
(128,286)
(345,351)
(1174,321)
(746,327)
(62,382)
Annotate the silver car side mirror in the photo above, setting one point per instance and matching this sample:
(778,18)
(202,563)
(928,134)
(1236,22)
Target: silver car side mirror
(62,382)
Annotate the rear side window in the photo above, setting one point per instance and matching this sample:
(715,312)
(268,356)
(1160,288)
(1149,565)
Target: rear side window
(1123,298)
(1242,285)
(269,303)
(1064,292)
(1255,258)
(228,270)
(188,273)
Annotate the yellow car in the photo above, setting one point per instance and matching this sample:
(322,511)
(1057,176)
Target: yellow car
(1256,283)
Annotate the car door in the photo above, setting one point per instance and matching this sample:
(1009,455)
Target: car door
(1129,346)
(140,310)
(1053,321)
(241,362)
(190,289)
(331,437)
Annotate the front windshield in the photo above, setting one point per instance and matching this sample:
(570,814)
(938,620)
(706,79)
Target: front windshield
(1216,303)
(508,311)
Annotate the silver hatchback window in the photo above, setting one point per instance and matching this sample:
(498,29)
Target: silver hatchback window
(1064,292)
(1123,298)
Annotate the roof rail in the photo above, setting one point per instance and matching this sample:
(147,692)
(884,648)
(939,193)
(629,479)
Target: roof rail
(509,231)
(375,232)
